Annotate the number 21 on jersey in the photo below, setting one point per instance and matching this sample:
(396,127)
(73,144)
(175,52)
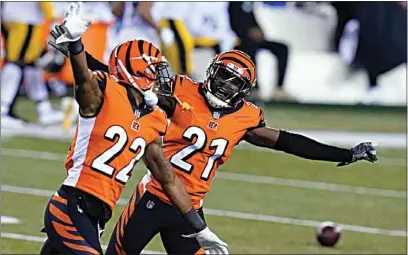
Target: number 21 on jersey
(218,145)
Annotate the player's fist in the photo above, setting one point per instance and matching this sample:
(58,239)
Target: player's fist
(75,24)
(362,151)
(210,242)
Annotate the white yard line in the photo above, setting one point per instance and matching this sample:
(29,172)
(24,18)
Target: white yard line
(241,177)
(310,184)
(40,239)
(9,220)
(395,161)
(234,214)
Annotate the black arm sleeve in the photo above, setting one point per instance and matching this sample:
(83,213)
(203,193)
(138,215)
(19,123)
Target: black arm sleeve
(95,65)
(304,147)
(168,104)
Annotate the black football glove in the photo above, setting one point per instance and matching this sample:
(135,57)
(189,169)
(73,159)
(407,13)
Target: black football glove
(362,151)
(56,32)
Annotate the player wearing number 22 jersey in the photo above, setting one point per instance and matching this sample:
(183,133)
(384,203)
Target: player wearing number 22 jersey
(118,125)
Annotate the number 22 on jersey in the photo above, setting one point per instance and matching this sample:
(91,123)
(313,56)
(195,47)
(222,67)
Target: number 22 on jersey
(218,145)
(101,163)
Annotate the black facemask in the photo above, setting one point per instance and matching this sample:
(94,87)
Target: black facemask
(227,85)
(163,77)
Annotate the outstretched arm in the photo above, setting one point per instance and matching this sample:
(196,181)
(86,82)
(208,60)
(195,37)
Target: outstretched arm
(87,92)
(304,147)
(161,169)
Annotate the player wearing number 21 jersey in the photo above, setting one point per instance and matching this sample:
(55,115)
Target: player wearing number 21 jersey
(207,120)
(118,125)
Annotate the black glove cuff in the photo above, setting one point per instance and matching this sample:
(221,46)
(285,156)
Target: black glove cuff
(76,47)
(196,222)
(304,147)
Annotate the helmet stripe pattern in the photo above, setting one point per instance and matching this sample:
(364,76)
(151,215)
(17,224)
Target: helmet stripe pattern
(116,59)
(128,64)
(139,58)
(150,49)
(241,59)
(140,45)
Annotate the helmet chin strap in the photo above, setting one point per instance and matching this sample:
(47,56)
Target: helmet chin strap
(149,96)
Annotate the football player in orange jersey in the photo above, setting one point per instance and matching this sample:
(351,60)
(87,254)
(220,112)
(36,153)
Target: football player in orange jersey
(207,120)
(118,125)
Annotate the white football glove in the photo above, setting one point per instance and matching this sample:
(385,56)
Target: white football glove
(209,242)
(75,24)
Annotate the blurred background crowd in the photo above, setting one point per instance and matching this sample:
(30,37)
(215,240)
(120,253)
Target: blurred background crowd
(306,52)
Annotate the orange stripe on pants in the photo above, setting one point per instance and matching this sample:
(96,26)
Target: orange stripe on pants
(59,214)
(81,247)
(63,231)
(200,251)
(59,199)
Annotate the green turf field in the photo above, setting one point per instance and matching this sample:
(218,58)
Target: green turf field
(237,191)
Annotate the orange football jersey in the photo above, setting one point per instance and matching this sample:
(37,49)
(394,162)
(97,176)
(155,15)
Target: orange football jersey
(106,147)
(198,141)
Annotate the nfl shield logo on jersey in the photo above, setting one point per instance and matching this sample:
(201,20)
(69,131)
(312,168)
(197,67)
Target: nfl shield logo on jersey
(135,125)
(137,114)
(149,204)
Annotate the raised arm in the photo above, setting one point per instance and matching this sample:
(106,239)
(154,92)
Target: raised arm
(304,147)
(87,92)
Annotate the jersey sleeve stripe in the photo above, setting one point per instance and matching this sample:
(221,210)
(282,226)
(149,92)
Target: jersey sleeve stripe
(85,127)
(102,82)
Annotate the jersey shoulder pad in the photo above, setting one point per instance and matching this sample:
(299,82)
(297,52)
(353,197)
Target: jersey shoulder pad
(183,83)
(254,114)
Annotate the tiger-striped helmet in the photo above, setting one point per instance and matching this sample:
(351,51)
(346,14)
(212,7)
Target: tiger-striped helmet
(139,62)
(229,78)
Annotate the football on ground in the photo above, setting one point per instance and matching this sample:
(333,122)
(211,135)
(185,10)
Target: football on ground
(328,233)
